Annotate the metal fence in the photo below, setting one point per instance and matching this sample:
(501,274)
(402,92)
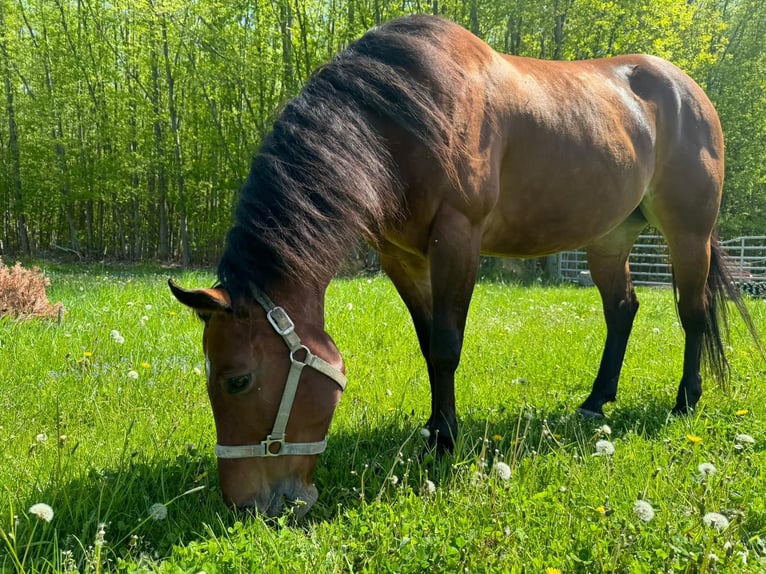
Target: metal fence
(650,261)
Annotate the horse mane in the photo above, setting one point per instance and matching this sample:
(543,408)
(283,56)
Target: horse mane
(325,177)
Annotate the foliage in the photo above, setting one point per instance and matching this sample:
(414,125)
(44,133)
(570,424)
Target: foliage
(22,293)
(105,428)
(128,126)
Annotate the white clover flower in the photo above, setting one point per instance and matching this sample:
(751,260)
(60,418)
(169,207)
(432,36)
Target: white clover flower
(158,511)
(425,433)
(132,375)
(116,337)
(604,448)
(502,470)
(744,439)
(716,520)
(42,511)
(706,469)
(643,510)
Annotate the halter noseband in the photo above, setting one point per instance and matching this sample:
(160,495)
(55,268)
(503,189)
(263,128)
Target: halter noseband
(275,443)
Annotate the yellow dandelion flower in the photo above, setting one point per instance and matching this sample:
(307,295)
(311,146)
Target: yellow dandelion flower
(87,354)
(171,313)
(741,412)
(601,509)
(146,365)
(552,571)
(497,437)
(694,439)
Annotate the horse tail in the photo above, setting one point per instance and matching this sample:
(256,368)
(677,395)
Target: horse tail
(720,290)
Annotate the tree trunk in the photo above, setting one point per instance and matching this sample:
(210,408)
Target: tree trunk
(22,233)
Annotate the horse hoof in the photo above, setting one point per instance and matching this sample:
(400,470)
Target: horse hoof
(589,414)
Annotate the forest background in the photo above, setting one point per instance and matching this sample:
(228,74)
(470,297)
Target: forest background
(128,125)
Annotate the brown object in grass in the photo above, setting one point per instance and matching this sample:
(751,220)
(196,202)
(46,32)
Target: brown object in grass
(22,293)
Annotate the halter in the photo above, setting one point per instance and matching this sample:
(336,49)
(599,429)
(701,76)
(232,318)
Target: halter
(275,443)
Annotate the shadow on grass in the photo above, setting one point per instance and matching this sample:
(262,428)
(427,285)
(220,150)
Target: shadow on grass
(356,469)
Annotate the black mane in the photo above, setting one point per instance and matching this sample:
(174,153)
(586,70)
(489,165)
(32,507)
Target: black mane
(325,177)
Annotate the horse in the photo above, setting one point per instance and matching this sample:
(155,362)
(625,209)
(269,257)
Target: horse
(436,149)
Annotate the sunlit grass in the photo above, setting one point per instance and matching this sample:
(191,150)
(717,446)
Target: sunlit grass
(103,431)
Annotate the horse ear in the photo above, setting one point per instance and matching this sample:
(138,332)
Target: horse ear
(201,300)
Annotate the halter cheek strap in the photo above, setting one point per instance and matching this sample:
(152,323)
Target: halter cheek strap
(275,443)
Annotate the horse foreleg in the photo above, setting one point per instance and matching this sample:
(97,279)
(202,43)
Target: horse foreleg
(454,261)
(412,278)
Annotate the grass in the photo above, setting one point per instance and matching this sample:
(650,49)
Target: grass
(102,431)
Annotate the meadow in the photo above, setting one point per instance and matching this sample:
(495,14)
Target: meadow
(104,418)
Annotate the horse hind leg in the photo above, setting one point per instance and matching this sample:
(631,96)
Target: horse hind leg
(608,264)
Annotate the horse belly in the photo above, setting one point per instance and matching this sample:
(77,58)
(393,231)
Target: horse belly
(541,221)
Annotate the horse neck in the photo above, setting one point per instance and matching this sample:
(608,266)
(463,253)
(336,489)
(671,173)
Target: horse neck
(304,302)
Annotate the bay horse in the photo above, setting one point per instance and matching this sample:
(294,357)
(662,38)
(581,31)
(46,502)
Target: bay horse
(437,149)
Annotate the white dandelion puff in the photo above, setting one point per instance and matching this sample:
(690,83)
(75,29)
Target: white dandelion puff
(643,510)
(394,479)
(158,511)
(706,469)
(42,511)
(132,375)
(100,535)
(605,429)
(429,487)
(116,337)
(604,448)
(502,470)
(425,433)
(744,439)
(42,437)
(716,520)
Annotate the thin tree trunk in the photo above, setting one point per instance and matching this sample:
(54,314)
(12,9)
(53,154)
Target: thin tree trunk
(22,232)
(175,129)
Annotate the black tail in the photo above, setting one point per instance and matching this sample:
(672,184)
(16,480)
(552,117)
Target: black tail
(720,290)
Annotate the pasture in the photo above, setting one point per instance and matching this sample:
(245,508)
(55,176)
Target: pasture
(105,419)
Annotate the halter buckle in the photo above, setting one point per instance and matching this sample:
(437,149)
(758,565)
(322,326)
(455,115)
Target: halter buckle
(281,321)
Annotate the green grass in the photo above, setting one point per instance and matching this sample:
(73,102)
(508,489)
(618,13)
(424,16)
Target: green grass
(77,433)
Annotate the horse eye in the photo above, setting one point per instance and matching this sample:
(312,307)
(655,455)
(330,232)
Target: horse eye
(236,385)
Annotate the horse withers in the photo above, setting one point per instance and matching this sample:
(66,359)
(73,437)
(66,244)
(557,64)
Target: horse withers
(437,149)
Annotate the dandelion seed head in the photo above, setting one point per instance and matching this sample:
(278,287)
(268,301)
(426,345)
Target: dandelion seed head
(132,375)
(716,520)
(605,429)
(604,448)
(158,511)
(116,337)
(425,433)
(41,437)
(643,510)
(394,479)
(502,470)
(744,439)
(42,511)
(429,487)
(706,469)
